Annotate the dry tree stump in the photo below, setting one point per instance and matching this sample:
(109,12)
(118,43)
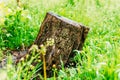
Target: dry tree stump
(67,34)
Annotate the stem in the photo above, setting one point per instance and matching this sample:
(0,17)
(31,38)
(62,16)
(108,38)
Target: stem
(18,2)
(54,75)
(44,67)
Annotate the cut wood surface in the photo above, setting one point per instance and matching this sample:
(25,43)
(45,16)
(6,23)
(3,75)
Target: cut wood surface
(67,34)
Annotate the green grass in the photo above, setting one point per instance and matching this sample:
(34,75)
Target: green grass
(102,46)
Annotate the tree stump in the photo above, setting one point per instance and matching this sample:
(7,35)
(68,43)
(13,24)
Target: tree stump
(67,34)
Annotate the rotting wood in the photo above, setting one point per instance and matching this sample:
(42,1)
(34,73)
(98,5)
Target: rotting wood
(67,34)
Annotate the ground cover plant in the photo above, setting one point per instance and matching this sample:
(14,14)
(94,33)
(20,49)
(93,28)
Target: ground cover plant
(101,52)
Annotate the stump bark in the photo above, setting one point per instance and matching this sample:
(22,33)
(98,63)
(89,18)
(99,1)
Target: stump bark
(67,34)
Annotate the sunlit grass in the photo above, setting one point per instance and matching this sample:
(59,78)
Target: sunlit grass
(101,58)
